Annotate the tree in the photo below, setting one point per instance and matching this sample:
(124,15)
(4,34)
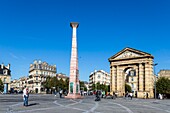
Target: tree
(82,85)
(1,86)
(61,84)
(98,86)
(47,84)
(66,84)
(163,85)
(128,88)
(93,86)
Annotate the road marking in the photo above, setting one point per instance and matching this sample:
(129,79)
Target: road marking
(55,102)
(67,106)
(93,108)
(127,109)
(10,110)
(156,108)
(40,109)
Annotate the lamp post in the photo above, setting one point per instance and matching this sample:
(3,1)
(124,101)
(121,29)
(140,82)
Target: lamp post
(155,77)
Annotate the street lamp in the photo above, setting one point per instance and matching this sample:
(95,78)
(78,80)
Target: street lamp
(155,77)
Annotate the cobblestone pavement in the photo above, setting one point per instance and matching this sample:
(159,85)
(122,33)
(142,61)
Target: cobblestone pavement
(52,104)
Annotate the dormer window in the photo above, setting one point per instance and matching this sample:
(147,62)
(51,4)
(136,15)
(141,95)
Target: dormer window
(5,72)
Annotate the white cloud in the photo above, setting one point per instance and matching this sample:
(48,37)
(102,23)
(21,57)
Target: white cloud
(13,56)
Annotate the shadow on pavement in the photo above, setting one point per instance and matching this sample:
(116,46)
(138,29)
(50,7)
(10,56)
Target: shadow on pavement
(33,104)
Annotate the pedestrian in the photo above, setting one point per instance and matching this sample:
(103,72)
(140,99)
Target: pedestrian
(25,96)
(126,95)
(55,93)
(144,95)
(61,91)
(147,95)
(160,96)
(97,96)
(114,95)
(131,95)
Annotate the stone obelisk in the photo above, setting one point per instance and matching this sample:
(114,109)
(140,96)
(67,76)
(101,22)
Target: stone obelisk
(74,86)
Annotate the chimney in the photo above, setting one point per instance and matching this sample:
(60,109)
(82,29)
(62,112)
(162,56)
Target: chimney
(2,65)
(8,66)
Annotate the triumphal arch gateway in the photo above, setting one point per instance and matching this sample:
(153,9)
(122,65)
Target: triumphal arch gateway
(135,68)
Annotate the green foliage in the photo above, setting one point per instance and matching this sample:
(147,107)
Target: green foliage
(47,83)
(1,86)
(61,84)
(66,84)
(55,84)
(99,86)
(93,86)
(82,86)
(163,85)
(128,88)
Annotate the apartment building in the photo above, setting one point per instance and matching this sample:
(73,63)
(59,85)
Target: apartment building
(38,73)
(164,73)
(99,76)
(5,76)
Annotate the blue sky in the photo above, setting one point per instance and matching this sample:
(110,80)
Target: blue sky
(40,29)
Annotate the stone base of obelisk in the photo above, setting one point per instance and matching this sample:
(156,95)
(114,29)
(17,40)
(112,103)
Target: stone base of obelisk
(74,96)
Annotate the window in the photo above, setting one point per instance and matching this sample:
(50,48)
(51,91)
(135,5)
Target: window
(34,65)
(5,72)
(4,80)
(36,72)
(98,76)
(39,66)
(132,79)
(132,73)
(36,78)
(132,85)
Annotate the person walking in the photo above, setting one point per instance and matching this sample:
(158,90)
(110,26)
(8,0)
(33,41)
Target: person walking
(97,96)
(55,93)
(131,95)
(25,96)
(61,91)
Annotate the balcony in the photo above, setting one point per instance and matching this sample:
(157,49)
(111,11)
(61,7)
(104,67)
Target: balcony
(30,82)
(37,80)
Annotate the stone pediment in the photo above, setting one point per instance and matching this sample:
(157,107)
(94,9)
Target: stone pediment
(129,53)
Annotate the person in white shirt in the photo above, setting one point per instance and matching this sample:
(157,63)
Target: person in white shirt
(25,96)
(131,95)
(61,92)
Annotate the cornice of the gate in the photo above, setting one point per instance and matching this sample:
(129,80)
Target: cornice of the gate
(129,53)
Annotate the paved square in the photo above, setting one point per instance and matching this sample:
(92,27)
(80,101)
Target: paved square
(52,104)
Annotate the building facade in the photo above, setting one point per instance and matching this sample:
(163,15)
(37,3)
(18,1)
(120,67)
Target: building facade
(135,68)
(62,76)
(164,73)
(38,73)
(99,76)
(5,76)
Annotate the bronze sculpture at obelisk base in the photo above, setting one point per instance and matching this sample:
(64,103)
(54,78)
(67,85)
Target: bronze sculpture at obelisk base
(74,85)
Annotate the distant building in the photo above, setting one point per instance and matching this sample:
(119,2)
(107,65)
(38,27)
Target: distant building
(38,73)
(19,84)
(15,84)
(86,84)
(99,76)
(5,76)
(62,76)
(164,73)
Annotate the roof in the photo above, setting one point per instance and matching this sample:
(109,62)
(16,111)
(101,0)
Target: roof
(136,53)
